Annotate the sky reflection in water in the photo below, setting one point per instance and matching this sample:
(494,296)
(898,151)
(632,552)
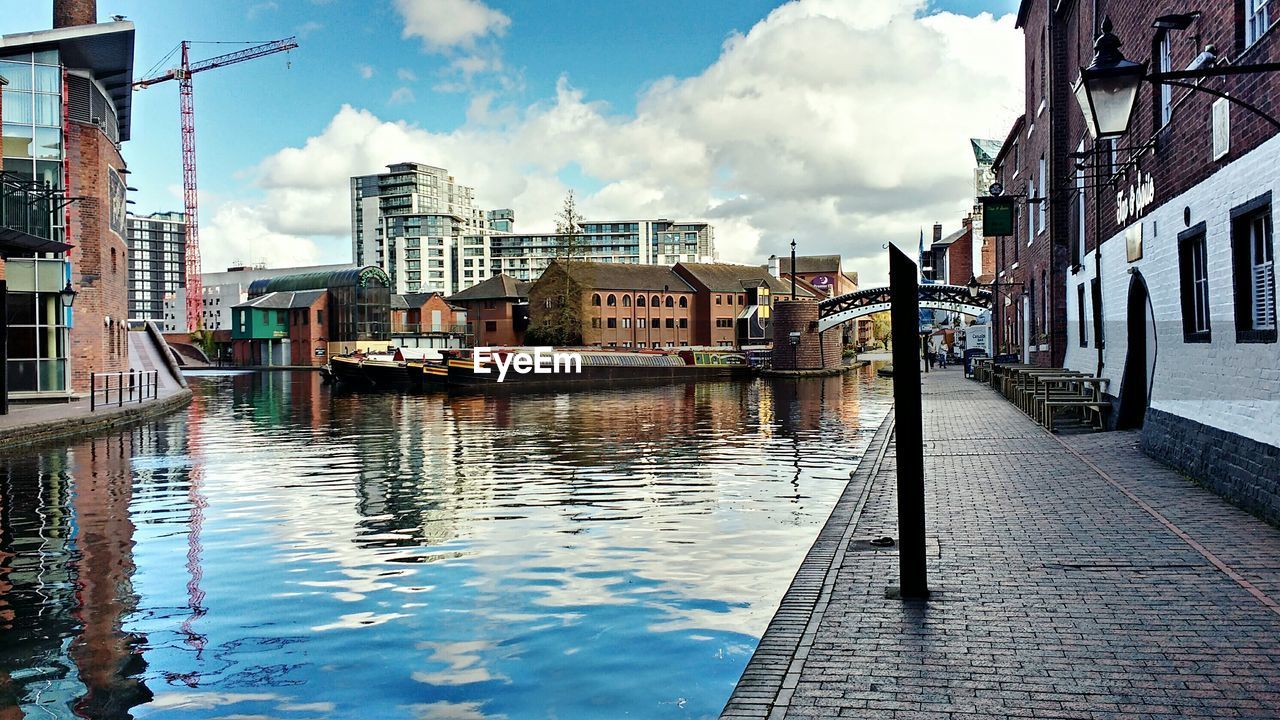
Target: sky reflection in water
(278,551)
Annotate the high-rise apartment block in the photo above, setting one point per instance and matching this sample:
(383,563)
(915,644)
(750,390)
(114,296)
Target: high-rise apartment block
(423,228)
(636,242)
(415,221)
(157,261)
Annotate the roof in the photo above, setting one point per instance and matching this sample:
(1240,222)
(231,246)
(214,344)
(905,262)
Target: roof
(13,241)
(985,151)
(951,238)
(104,49)
(811,264)
(623,276)
(353,277)
(728,277)
(284,300)
(405,301)
(1009,140)
(499,287)
(248,275)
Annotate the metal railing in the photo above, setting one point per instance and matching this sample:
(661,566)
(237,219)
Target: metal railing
(401,328)
(28,205)
(133,386)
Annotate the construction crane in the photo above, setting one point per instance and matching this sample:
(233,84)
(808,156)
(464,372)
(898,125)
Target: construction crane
(183,74)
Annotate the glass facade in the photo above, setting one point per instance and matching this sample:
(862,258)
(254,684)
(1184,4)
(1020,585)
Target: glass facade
(37,360)
(33,150)
(32,120)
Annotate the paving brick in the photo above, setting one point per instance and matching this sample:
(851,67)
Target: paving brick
(1056,593)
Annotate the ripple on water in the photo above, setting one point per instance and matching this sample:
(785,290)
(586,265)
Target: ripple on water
(279,551)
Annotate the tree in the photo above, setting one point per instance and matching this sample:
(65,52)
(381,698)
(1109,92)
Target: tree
(882,328)
(555,308)
(568,230)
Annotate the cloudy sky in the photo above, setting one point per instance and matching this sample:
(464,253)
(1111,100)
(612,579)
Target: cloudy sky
(841,123)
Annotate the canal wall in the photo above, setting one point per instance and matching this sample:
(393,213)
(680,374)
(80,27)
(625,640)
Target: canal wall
(60,423)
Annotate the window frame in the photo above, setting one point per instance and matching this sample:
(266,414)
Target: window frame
(1193,249)
(1243,281)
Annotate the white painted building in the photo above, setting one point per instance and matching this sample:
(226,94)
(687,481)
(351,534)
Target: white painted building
(1201,298)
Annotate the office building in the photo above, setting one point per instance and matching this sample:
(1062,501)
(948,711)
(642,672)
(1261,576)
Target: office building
(157,261)
(634,242)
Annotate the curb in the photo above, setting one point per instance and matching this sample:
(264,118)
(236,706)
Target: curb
(769,679)
(64,429)
(824,372)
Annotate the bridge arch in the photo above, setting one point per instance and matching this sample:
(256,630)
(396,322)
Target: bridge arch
(952,298)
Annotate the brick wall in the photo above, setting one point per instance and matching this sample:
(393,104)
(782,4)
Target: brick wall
(960,257)
(651,336)
(815,351)
(99,333)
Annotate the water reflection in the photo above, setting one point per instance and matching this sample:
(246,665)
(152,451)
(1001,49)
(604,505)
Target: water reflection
(279,551)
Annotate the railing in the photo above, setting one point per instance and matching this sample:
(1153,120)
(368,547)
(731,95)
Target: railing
(134,386)
(27,205)
(400,328)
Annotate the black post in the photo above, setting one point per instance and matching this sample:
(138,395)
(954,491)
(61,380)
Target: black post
(793,269)
(93,391)
(904,297)
(995,317)
(4,347)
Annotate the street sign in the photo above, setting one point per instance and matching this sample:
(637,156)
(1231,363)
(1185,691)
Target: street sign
(997,216)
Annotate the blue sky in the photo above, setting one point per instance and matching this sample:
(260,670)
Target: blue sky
(354,53)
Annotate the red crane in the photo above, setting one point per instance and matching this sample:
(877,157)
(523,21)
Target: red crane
(183,75)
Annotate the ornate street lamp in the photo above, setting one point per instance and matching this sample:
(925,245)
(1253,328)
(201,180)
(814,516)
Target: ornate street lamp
(974,287)
(68,295)
(1108,89)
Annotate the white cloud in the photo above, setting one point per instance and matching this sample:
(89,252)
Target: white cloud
(255,11)
(841,123)
(366,71)
(401,96)
(306,29)
(406,75)
(446,24)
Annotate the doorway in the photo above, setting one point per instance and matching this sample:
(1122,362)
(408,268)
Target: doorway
(1139,363)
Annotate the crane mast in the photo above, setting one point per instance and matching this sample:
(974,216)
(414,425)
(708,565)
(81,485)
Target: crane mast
(190,195)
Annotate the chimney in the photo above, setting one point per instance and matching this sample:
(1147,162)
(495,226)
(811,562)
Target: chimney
(69,13)
(937,232)
(775,266)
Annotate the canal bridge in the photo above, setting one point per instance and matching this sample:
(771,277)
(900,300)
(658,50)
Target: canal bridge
(952,298)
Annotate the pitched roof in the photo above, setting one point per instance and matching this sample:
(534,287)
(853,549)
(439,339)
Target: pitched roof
(405,301)
(946,241)
(499,287)
(284,300)
(728,277)
(812,264)
(622,276)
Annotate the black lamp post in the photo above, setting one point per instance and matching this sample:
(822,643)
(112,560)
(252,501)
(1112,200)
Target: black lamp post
(975,286)
(68,295)
(1108,89)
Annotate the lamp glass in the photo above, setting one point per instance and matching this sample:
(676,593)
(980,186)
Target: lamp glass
(68,295)
(1112,97)
(1082,97)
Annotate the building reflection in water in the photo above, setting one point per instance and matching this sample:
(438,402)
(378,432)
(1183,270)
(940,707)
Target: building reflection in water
(66,583)
(296,545)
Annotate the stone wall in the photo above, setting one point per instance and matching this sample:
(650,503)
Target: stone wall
(815,351)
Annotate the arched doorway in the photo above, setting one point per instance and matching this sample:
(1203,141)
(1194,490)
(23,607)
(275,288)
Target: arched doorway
(1140,358)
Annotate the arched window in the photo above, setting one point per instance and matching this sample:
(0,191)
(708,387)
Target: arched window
(639,301)
(626,301)
(595,299)
(654,301)
(670,302)
(684,301)
(611,301)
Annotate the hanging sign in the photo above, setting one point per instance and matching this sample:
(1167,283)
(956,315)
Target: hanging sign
(997,216)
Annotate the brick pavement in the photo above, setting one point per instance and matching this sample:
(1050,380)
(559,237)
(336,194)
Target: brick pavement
(1073,577)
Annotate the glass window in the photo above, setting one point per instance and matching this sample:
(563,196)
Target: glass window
(1253,266)
(48,79)
(17,107)
(48,109)
(48,144)
(17,140)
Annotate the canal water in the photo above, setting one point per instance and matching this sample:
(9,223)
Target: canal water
(279,551)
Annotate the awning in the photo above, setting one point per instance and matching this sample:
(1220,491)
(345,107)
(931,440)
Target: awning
(14,242)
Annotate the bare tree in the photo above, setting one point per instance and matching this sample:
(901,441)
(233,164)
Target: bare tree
(569,230)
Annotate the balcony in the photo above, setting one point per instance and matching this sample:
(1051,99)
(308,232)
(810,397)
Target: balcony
(26,216)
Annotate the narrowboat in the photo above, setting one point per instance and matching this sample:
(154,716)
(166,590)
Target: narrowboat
(544,367)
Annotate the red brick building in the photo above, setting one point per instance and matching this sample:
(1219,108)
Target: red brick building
(70,100)
(497,311)
(622,305)
(733,305)
(1149,260)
